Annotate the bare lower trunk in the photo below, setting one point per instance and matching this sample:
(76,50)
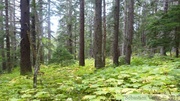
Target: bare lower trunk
(49,30)
(33,31)
(125,28)
(9,66)
(2,43)
(91,35)
(104,33)
(177,52)
(69,27)
(130,32)
(41,30)
(36,68)
(81,47)
(163,51)
(25,63)
(177,41)
(98,35)
(116,32)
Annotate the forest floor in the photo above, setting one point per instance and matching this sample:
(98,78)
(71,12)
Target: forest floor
(146,79)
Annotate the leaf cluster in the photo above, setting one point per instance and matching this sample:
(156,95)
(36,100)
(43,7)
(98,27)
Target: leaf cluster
(161,27)
(62,56)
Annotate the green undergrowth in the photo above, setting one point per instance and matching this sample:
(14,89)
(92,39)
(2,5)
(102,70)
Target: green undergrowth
(158,77)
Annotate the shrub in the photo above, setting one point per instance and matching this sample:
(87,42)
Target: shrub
(62,56)
(137,61)
(122,60)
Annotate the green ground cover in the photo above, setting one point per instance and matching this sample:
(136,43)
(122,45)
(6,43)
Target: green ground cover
(149,78)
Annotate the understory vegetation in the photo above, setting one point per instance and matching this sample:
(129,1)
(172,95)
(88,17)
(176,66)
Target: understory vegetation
(156,79)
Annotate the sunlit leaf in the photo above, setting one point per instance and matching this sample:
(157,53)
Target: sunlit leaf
(118,96)
(42,95)
(89,97)
(101,92)
(26,96)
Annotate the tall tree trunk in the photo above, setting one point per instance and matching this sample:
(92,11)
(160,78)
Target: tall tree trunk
(104,33)
(2,42)
(49,29)
(33,42)
(4,67)
(25,62)
(33,31)
(125,28)
(14,43)
(41,30)
(75,41)
(163,51)
(91,44)
(70,45)
(38,43)
(69,27)
(81,44)
(98,35)
(116,32)
(91,32)
(143,34)
(130,31)
(9,66)
(11,32)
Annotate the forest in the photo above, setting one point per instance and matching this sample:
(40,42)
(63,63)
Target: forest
(89,50)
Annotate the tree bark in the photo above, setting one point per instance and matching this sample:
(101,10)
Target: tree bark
(70,45)
(75,41)
(4,66)
(38,43)
(9,65)
(130,31)
(33,31)
(116,32)
(98,35)
(177,42)
(49,29)
(41,30)
(91,34)
(104,33)
(14,43)
(25,62)
(143,33)
(69,27)
(81,44)
(2,43)
(125,29)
